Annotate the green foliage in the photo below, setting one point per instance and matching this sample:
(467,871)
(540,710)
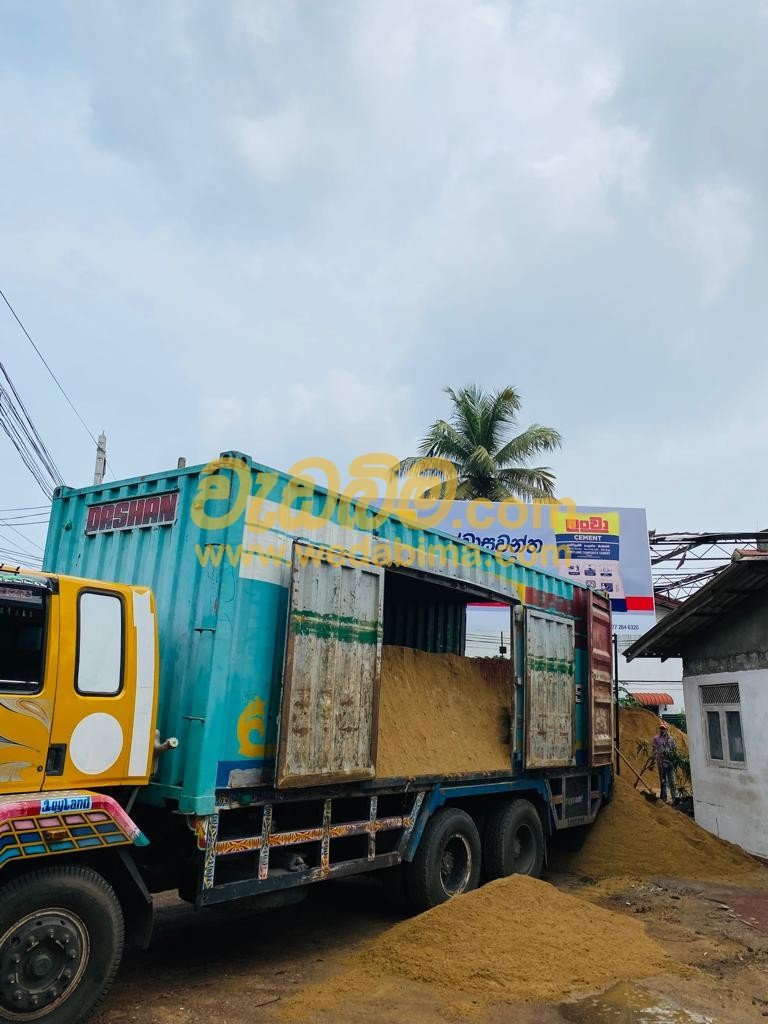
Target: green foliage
(482,454)
(626,700)
(682,766)
(680,762)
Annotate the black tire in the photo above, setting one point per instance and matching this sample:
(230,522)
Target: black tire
(61,940)
(447,861)
(513,841)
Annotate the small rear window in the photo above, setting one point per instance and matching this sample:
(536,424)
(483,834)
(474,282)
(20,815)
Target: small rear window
(22,639)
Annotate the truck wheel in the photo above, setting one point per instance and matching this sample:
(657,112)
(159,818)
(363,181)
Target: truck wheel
(447,861)
(61,939)
(513,841)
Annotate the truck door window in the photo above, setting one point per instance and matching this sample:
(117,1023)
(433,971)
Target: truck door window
(99,644)
(22,618)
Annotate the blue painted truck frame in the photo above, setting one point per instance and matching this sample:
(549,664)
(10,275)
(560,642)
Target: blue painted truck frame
(408,827)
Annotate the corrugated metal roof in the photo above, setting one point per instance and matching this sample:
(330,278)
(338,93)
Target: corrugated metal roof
(747,573)
(651,699)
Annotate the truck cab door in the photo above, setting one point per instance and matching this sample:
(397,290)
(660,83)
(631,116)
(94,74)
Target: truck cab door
(104,712)
(329,713)
(28,662)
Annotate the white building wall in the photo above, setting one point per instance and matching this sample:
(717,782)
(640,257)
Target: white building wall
(732,802)
(652,674)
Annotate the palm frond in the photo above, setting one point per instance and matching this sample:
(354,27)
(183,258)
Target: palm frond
(480,463)
(535,484)
(536,440)
(481,460)
(443,440)
(466,415)
(500,411)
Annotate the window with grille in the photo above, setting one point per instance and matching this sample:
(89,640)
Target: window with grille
(721,704)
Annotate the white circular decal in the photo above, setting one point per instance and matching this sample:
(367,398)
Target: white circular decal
(96,743)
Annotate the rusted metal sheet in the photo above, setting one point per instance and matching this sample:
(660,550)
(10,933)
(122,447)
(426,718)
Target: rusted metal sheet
(329,717)
(601,724)
(550,673)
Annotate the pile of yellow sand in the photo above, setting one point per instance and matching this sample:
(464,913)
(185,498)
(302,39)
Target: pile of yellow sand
(637,727)
(441,714)
(635,839)
(517,939)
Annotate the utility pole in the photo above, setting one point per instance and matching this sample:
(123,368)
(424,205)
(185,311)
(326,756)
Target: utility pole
(101,459)
(616,697)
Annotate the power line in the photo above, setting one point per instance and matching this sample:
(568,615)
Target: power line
(43,360)
(26,508)
(23,536)
(27,520)
(10,540)
(39,445)
(18,425)
(45,364)
(17,557)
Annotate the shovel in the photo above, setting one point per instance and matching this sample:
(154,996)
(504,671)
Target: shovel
(643,770)
(648,793)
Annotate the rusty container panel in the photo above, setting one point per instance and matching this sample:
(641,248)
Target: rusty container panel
(550,676)
(601,725)
(328,721)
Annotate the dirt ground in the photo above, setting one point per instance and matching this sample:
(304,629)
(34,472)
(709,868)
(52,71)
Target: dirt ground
(313,962)
(231,965)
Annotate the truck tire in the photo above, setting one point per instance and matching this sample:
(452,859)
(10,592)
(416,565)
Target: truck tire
(61,939)
(513,841)
(447,861)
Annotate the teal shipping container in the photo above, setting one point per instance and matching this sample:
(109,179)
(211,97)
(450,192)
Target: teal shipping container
(268,593)
(230,683)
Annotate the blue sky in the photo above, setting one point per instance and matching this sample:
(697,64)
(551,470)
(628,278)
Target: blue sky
(285,227)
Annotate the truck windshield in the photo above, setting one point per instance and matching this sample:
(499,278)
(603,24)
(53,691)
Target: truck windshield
(22,618)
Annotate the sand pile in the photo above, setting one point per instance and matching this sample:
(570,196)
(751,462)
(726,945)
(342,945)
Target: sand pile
(441,714)
(635,839)
(517,939)
(638,726)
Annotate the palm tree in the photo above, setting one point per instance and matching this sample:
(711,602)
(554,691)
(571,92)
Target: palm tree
(476,450)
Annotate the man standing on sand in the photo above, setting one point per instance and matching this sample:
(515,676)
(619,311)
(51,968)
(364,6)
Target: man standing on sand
(664,748)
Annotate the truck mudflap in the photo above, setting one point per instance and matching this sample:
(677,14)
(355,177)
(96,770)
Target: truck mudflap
(52,824)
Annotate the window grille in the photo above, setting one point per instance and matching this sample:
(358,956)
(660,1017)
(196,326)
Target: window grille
(720,693)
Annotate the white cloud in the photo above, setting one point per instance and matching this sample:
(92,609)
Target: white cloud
(712,226)
(222,415)
(273,145)
(296,223)
(261,20)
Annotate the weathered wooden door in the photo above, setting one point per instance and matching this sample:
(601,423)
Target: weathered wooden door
(600,663)
(550,684)
(329,712)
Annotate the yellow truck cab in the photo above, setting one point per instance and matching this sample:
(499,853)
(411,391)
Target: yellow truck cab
(78,694)
(78,683)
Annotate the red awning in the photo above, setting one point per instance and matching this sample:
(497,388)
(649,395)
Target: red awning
(652,699)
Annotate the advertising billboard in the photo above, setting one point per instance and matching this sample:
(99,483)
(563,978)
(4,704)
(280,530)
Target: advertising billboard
(604,547)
